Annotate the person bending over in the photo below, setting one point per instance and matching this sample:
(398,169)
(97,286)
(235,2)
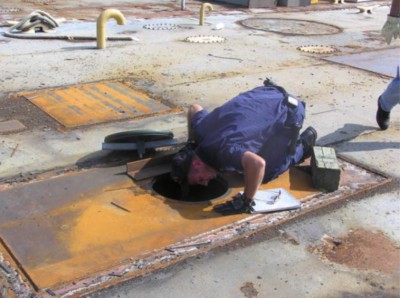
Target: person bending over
(255,133)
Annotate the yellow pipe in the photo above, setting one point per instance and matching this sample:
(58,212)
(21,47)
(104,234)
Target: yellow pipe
(202,12)
(101,25)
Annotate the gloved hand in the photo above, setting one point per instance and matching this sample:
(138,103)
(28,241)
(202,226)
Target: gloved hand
(238,204)
(240,201)
(391,29)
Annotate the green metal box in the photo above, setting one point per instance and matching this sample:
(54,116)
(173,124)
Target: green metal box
(325,168)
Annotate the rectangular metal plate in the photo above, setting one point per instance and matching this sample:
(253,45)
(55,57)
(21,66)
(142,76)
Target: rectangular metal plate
(94,103)
(66,228)
(75,226)
(383,62)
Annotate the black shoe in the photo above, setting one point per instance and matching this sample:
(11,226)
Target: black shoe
(308,138)
(382,117)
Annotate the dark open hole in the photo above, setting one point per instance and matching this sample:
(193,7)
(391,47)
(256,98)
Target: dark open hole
(165,186)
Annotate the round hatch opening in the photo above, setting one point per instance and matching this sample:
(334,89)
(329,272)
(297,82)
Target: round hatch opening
(165,186)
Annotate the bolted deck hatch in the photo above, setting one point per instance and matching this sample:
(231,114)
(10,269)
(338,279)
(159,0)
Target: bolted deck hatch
(76,230)
(94,103)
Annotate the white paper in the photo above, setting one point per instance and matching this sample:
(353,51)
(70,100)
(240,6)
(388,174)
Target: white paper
(272,200)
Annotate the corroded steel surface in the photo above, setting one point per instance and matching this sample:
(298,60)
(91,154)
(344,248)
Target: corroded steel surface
(71,226)
(68,232)
(94,103)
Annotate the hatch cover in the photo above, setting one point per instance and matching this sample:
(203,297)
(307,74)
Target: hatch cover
(93,103)
(78,230)
(290,26)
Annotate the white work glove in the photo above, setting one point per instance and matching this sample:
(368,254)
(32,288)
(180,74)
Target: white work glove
(391,29)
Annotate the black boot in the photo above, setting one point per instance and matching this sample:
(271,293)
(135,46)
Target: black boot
(382,117)
(308,138)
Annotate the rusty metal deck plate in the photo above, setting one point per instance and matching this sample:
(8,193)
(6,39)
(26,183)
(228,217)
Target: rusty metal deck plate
(381,62)
(93,103)
(81,230)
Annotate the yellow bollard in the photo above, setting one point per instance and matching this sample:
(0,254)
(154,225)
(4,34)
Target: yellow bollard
(202,12)
(101,25)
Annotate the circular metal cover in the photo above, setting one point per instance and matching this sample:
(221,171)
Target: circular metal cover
(134,136)
(290,26)
(187,26)
(205,39)
(317,49)
(160,26)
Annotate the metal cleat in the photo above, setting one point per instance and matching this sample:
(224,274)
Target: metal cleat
(367,9)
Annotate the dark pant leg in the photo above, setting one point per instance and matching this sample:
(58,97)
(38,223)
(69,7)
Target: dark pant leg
(276,155)
(276,152)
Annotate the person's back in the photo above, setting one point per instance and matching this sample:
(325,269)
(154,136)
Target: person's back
(256,133)
(247,122)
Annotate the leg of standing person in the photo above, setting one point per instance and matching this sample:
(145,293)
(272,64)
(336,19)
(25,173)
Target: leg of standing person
(388,99)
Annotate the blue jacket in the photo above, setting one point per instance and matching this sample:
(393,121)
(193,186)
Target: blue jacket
(259,120)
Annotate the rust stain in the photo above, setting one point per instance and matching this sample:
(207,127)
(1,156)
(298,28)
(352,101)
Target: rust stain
(363,250)
(248,290)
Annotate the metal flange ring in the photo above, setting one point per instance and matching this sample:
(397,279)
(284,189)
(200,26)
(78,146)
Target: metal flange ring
(205,39)
(317,49)
(160,26)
